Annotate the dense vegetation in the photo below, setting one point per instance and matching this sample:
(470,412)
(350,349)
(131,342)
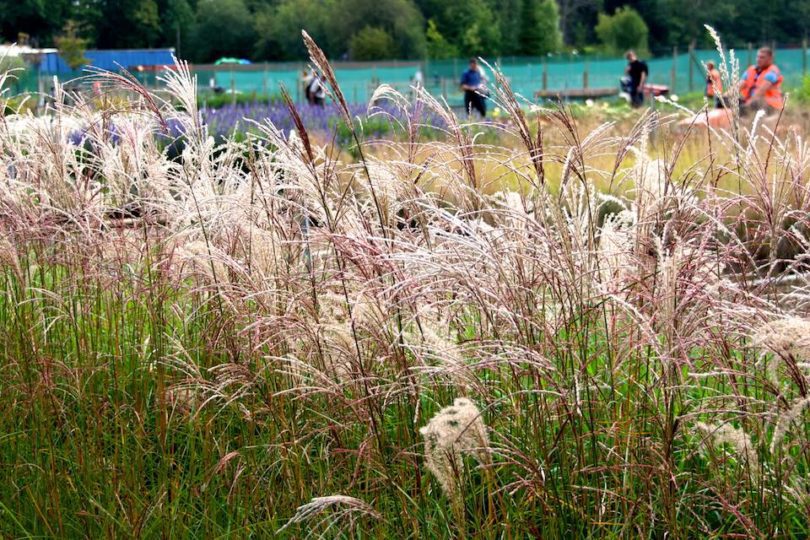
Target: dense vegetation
(374,29)
(567,331)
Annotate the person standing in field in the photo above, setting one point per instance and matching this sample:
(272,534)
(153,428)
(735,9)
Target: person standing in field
(638,72)
(418,78)
(417,82)
(306,80)
(316,92)
(714,83)
(473,85)
(761,84)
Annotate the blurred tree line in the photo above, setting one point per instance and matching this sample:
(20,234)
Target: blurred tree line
(203,30)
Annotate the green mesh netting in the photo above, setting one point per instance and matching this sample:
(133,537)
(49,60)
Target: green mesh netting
(680,72)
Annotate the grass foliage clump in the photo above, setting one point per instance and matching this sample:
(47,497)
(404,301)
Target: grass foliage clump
(267,337)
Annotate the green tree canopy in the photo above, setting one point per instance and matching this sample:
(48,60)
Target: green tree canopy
(223,28)
(438,48)
(119,24)
(622,31)
(399,18)
(509,22)
(41,19)
(470,25)
(372,43)
(177,23)
(539,32)
(278,29)
(71,47)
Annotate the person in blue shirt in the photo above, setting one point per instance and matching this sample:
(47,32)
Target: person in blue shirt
(473,84)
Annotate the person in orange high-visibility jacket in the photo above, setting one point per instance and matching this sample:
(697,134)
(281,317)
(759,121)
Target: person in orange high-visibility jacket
(714,82)
(761,85)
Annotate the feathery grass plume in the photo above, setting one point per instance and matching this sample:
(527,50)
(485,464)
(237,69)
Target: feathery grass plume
(299,144)
(319,59)
(513,210)
(128,82)
(669,264)
(725,73)
(8,254)
(735,437)
(392,192)
(336,514)
(334,330)
(650,193)
(325,68)
(729,68)
(651,180)
(386,102)
(786,336)
(454,431)
(8,73)
(616,244)
(786,419)
(575,230)
(182,85)
(258,249)
(184,398)
(534,145)
(200,259)
(788,339)
(464,146)
(434,340)
(338,349)
(231,379)
(188,393)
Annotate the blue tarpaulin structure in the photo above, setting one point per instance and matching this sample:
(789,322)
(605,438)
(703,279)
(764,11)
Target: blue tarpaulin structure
(112,60)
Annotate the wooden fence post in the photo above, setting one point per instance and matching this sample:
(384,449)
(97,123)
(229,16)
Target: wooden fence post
(691,71)
(545,75)
(425,72)
(674,74)
(585,76)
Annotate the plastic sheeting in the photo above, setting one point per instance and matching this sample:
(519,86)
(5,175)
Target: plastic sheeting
(111,60)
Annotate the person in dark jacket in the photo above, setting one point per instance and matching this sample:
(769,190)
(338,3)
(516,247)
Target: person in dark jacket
(473,83)
(637,71)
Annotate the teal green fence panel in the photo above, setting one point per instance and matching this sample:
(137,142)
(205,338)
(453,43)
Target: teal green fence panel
(682,71)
